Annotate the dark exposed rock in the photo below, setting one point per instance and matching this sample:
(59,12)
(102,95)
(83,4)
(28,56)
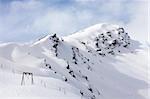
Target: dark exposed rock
(90,89)
(81,93)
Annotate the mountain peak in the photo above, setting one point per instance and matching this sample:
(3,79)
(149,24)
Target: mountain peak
(94,30)
(74,60)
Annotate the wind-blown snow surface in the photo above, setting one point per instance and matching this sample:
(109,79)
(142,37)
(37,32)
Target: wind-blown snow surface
(100,62)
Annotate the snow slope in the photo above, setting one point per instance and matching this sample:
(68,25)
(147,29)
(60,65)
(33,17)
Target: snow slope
(99,62)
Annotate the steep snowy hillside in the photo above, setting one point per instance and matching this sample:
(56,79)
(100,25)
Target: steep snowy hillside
(100,62)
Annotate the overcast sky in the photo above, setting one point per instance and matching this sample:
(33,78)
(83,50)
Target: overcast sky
(26,20)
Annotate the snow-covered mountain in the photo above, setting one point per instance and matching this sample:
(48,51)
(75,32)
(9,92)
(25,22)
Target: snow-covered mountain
(99,62)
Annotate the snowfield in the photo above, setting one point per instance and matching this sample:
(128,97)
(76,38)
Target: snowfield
(99,62)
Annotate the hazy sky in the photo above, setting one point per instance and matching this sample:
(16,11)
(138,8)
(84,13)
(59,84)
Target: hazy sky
(25,20)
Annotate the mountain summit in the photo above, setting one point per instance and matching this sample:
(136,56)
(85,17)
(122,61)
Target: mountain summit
(91,63)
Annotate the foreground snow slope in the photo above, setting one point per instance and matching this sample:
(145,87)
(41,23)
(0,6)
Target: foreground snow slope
(100,62)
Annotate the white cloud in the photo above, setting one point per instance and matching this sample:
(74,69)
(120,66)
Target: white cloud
(33,18)
(138,26)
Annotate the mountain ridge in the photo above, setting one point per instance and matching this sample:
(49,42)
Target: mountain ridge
(76,59)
